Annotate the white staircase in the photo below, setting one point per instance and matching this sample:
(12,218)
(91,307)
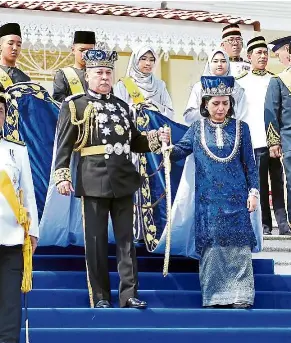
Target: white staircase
(278,248)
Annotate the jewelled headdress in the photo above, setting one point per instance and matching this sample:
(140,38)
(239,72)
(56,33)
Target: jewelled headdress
(100,57)
(217,85)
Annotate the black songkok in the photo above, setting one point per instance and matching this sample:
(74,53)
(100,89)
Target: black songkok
(10,29)
(84,37)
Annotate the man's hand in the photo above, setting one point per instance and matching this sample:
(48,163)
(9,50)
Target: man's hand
(33,243)
(65,188)
(252,203)
(164,134)
(275,151)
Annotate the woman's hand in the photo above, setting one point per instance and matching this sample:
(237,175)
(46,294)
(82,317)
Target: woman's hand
(164,134)
(252,203)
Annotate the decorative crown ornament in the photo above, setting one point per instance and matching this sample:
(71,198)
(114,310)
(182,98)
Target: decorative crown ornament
(101,56)
(217,85)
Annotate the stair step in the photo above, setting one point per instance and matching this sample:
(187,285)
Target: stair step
(153,263)
(153,317)
(276,255)
(158,335)
(150,281)
(276,237)
(72,298)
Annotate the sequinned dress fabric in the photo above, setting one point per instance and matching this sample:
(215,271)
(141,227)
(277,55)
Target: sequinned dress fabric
(224,237)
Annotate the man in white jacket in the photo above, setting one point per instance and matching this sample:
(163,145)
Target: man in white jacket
(14,163)
(255,83)
(232,43)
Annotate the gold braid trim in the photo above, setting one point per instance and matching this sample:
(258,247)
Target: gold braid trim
(62,174)
(154,142)
(82,137)
(90,291)
(273,138)
(168,227)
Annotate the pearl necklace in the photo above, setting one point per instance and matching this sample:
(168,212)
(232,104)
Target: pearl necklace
(218,131)
(236,143)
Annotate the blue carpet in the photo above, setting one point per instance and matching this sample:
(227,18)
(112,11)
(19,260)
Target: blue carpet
(153,317)
(78,298)
(145,263)
(151,281)
(158,335)
(58,305)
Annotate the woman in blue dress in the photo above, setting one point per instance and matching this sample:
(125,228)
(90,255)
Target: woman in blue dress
(220,234)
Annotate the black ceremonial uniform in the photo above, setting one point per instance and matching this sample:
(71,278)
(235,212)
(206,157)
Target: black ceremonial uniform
(11,75)
(62,87)
(70,80)
(99,126)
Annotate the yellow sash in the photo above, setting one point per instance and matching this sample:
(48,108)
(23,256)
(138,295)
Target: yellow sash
(73,80)
(5,79)
(21,214)
(133,90)
(285,77)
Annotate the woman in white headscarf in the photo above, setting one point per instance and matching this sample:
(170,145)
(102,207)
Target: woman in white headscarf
(140,84)
(217,65)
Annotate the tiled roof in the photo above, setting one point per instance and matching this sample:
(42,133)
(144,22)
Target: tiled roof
(127,11)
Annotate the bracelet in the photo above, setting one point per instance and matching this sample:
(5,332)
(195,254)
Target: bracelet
(254,192)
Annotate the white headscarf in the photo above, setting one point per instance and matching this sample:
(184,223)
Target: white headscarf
(207,70)
(147,82)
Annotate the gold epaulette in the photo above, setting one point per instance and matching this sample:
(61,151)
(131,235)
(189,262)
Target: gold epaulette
(241,75)
(85,121)
(11,140)
(74,96)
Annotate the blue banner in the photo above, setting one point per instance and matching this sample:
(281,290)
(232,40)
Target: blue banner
(32,118)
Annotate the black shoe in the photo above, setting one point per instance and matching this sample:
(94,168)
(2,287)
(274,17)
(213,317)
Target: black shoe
(267,229)
(241,306)
(136,303)
(103,304)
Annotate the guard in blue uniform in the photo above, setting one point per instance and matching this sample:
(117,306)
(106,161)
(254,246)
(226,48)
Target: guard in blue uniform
(280,47)
(278,124)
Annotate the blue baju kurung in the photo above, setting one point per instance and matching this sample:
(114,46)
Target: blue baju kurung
(224,237)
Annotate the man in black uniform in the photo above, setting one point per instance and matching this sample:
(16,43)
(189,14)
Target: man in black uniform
(10,47)
(278,124)
(98,125)
(71,80)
